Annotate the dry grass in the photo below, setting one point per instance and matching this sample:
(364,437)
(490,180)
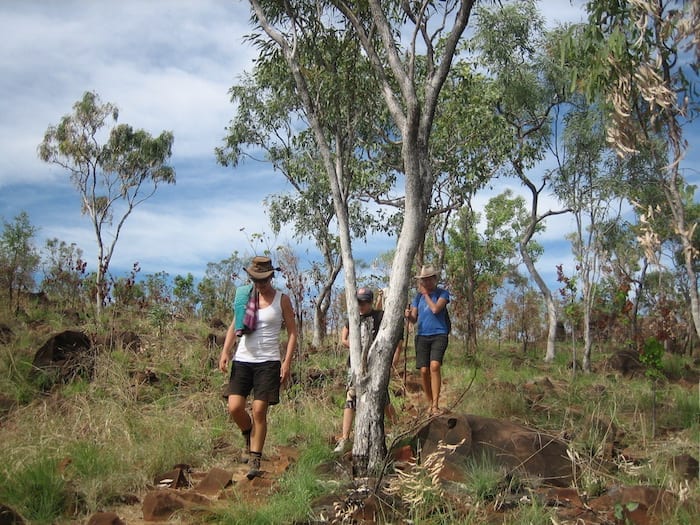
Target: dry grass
(86,444)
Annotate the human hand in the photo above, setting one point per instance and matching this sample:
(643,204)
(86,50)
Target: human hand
(284,373)
(223,362)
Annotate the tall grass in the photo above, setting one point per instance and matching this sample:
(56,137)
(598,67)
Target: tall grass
(35,488)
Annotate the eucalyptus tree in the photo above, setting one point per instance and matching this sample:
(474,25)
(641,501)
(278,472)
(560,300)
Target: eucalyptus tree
(113,177)
(217,288)
(468,145)
(636,58)
(63,269)
(269,118)
(587,183)
(478,264)
(19,258)
(624,267)
(516,51)
(434,30)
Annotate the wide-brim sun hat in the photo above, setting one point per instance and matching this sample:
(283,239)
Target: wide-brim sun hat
(260,268)
(426,271)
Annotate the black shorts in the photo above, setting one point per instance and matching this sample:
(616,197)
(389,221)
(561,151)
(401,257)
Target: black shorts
(263,379)
(430,348)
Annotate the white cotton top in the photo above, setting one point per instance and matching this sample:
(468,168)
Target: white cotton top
(264,343)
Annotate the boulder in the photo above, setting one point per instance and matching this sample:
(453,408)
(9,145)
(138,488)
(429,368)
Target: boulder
(626,362)
(65,356)
(526,451)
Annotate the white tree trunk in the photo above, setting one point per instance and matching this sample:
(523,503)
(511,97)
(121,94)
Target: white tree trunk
(549,301)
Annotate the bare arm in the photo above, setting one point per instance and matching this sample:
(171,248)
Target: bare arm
(397,354)
(345,337)
(290,324)
(435,306)
(229,344)
(411,314)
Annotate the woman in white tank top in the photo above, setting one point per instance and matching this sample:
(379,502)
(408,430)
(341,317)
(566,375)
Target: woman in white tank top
(264,343)
(257,365)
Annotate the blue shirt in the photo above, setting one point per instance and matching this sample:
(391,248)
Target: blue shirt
(428,322)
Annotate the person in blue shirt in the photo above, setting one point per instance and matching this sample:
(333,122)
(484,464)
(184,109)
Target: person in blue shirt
(428,312)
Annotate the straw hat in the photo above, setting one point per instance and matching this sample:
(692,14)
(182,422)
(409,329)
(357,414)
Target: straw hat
(426,271)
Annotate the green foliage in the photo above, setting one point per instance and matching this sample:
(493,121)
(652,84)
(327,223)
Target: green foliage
(652,356)
(35,488)
(159,317)
(63,269)
(683,410)
(19,258)
(93,469)
(485,478)
(620,509)
(218,287)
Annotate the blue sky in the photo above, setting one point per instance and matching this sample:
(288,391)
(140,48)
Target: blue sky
(167,65)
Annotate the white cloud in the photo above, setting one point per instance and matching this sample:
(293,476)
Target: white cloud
(168,65)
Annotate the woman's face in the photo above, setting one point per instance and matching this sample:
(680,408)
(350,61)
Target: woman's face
(429,283)
(262,284)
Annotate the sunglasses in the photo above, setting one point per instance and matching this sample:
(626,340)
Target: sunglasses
(260,281)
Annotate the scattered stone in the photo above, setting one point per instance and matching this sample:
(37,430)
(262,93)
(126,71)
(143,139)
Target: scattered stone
(6,334)
(638,504)
(9,516)
(685,466)
(159,505)
(173,479)
(105,518)
(215,480)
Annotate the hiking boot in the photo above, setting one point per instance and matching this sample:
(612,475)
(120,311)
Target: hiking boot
(254,468)
(341,446)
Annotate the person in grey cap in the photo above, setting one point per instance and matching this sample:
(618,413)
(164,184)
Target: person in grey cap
(370,318)
(257,365)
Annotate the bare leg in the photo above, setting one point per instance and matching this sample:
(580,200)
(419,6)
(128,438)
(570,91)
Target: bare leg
(390,413)
(257,438)
(427,384)
(436,384)
(236,409)
(348,416)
